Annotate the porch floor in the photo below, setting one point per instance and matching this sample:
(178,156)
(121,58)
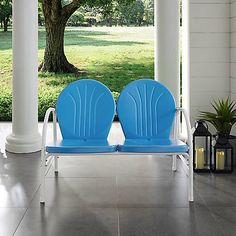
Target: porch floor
(115,195)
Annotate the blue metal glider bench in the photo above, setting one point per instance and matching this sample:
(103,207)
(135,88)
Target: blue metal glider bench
(85,111)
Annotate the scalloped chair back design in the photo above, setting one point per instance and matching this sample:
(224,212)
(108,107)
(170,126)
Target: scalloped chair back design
(146,110)
(85,110)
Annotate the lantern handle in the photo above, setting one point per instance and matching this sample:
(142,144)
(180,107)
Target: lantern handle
(203,122)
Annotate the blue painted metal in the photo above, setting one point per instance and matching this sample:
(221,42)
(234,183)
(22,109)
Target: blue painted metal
(153,146)
(81,146)
(85,110)
(146,109)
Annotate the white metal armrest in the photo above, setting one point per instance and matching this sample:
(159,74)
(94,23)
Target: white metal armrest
(43,156)
(190,144)
(188,125)
(45,126)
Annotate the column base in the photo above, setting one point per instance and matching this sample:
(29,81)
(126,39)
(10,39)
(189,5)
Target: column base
(23,143)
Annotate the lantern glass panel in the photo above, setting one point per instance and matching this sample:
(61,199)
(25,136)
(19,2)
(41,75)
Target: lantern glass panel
(202,152)
(223,159)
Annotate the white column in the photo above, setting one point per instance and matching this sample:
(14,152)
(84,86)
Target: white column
(168,45)
(186,55)
(185,61)
(25,137)
(155,39)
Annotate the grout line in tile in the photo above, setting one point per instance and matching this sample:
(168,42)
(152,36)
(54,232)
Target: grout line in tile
(20,221)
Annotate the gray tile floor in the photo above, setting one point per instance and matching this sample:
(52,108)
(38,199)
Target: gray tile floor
(116,195)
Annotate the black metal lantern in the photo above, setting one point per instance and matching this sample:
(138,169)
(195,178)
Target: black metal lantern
(223,156)
(202,150)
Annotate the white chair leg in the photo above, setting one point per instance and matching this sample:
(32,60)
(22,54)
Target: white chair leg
(55,164)
(190,187)
(174,163)
(43,171)
(191,198)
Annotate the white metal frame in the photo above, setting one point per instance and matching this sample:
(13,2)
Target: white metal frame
(47,158)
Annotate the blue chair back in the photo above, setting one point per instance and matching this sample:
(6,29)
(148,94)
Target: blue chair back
(85,110)
(146,110)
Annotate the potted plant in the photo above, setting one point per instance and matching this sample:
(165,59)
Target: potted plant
(223,118)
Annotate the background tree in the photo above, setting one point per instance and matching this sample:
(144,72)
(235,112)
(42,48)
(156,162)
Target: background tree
(77,19)
(148,12)
(131,14)
(138,12)
(56,15)
(5,13)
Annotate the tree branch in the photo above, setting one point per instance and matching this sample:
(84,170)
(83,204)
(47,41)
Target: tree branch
(70,8)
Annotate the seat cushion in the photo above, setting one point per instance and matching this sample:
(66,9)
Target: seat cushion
(153,146)
(81,146)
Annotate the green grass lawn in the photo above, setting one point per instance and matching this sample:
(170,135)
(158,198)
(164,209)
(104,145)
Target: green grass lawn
(115,56)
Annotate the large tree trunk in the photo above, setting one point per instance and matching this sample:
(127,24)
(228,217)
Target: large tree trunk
(54,55)
(56,18)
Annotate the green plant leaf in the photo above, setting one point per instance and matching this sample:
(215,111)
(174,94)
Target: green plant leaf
(224,116)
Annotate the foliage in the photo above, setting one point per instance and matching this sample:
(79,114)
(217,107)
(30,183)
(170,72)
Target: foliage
(115,95)
(109,12)
(5,13)
(6,104)
(77,19)
(132,14)
(46,99)
(224,116)
(148,12)
(137,12)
